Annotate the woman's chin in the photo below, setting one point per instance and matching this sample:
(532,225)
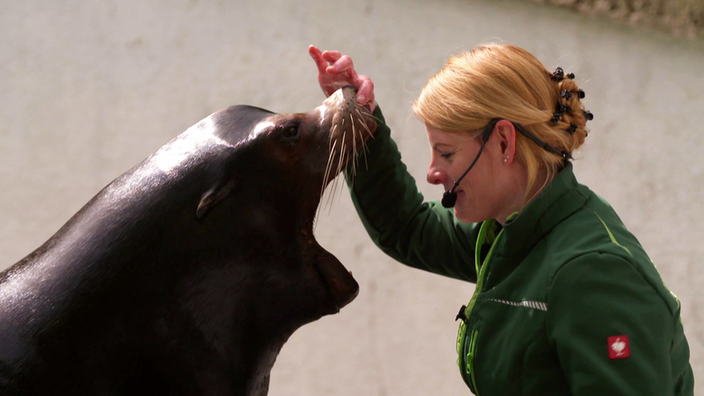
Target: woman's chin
(466,214)
(463,217)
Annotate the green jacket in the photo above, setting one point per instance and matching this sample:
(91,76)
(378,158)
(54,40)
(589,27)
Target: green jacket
(566,300)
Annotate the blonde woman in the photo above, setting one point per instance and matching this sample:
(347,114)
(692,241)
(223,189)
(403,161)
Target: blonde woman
(566,301)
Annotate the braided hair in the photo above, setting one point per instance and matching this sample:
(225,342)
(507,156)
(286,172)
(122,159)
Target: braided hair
(569,114)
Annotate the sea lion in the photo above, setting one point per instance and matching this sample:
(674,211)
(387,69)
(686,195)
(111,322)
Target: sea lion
(187,274)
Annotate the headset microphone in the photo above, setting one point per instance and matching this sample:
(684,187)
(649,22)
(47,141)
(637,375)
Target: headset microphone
(449,198)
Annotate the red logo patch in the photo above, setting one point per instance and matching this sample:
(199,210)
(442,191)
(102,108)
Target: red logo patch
(618,347)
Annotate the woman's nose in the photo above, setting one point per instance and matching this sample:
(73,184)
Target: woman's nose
(436,176)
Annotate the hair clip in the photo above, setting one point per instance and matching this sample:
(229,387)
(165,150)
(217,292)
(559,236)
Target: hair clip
(588,115)
(565,94)
(556,117)
(581,94)
(570,76)
(558,74)
(572,129)
(563,108)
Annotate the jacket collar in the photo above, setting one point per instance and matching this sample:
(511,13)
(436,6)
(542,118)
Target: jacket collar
(555,203)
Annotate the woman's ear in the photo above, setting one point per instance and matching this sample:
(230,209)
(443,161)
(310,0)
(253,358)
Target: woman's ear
(505,133)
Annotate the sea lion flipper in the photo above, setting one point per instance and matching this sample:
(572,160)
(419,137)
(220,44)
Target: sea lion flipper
(213,196)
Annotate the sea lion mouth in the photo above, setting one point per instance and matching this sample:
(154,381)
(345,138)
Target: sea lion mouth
(339,281)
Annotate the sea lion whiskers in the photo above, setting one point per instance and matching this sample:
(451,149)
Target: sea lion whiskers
(328,174)
(364,124)
(359,109)
(343,128)
(354,145)
(339,164)
(326,177)
(331,153)
(328,166)
(333,147)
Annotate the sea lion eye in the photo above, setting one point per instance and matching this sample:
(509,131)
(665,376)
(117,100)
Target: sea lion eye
(290,134)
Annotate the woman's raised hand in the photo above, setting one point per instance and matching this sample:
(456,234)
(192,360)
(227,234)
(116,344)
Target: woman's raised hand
(336,71)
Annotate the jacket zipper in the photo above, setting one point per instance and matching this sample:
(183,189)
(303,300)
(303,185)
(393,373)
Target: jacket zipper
(462,331)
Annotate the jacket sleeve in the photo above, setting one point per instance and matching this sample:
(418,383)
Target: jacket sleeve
(612,331)
(423,235)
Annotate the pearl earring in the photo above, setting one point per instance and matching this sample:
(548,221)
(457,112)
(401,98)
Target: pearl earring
(506,159)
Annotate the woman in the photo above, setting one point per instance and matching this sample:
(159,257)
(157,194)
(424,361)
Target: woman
(566,300)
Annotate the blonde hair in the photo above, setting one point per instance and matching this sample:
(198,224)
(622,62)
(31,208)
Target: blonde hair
(498,80)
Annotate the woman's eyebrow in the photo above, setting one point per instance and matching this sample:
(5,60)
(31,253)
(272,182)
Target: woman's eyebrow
(436,145)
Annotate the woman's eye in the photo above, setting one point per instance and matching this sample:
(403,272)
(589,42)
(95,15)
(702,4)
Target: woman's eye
(446,155)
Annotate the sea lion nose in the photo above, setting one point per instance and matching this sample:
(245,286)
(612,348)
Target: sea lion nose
(349,95)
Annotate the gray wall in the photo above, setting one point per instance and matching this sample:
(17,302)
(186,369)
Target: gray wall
(91,88)
(683,18)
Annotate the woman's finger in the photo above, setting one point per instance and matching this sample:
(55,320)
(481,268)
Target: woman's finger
(336,70)
(317,56)
(342,65)
(365,92)
(331,56)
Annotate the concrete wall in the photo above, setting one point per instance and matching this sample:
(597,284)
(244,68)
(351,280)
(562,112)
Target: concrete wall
(91,88)
(683,18)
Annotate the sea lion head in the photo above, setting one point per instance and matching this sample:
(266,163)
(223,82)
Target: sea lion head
(272,185)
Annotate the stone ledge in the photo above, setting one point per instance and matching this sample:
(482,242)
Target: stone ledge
(683,18)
